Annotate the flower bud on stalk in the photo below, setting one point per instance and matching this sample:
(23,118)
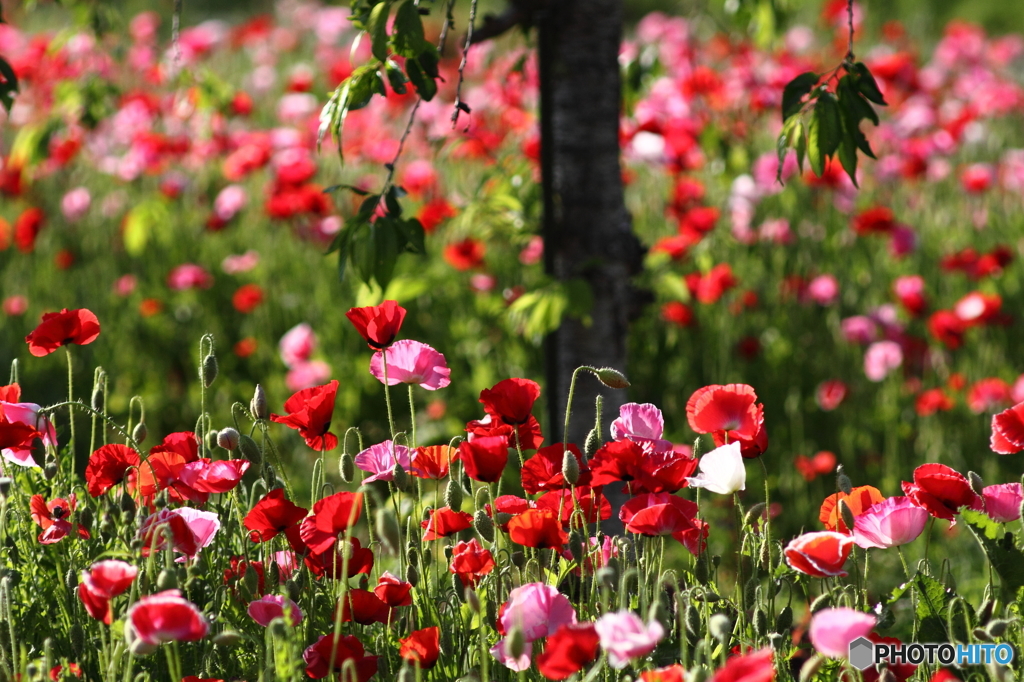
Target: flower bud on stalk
(570,468)
(821,602)
(760,622)
(612,378)
(168,580)
(453,495)
(228,439)
(97,398)
(843,481)
(50,469)
(483,525)
(720,627)
(227,638)
(208,372)
(249,450)
(472,599)
(847,514)
(140,432)
(977,484)
(401,479)
(576,547)
(412,574)
(753,514)
(516,642)
(347,467)
(258,404)
(592,443)
(809,669)
(784,620)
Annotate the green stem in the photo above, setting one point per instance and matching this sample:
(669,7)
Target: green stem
(71,413)
(412,416)
(387,394)
(568,405)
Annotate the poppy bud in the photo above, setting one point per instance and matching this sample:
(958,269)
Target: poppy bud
(576,548)
(809,669)
(453,495)
(501,518)
(658,613)
(258,404)
(127,504)
(428,556)
(33,672)
(607,577)
(821,602)
(448,552)
(71,580)
(140,432)
(387,528)
(412,555)
(412,575)
(141,648)
(460,591)
(97,398)
(985,611)
(847,514)
(251,581)
(492,611)
(346,467)
(248,449)
(693,622)
(996,628)
(292,590)
(401,479)
(483,524)
(274,573)
(753,514)
(5,485)
(77,637)
(518,558)
(760,622)
(50,469)
(228,439)
(843,481)
(227,638)
(977,484)
(516,642)
(85,518)
(720,627)
(208,372)
(278,627)
(570,468)
(481,497)
(776,641)
(592,443)
(472,599)
(612,378)
(211,439)
(784,620)
(168,580)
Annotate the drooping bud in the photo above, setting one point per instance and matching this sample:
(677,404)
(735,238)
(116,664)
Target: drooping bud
(977,484)
(168,579)
(5,485)
(140,432)
(472,599)
(227,638)
(576,546)
(249,450)
(996,628)
(502,518)
(843,481)
(50,469)
(570,468)
(760,622)
(453,495)
(228,439)
(412,575)
(821,602)
(258,404)
(809,669)
(209,369)
(97,398)
(784,620)
(347,467)
(847,514)
(460,591)
(85,518)
(483,524)
(401,479)
(720,627)
(612,378)
(753,514)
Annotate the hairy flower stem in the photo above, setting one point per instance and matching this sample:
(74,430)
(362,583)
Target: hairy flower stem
(741,606)
(412,417)
(568,405)
(71,412)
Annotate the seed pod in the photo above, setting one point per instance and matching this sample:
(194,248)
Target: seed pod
(140,432)
(228,439)
(592,443)
(518,559)
(208,371)
(168,580)
(720,627)
(251,580)
(71,580)
(985,612)
(387,528)
(292,590)
(570,468)
(227,638)
(258,404)
(453,495)
(981,634)
(576,545)
(428,556)
(847,514)
(249,450)
(484,526)
(85,518)
(821,602)
(977,484)
(347,467)
(809,669)
(784,620)
(77,637)
(760,622)
(843,481)
(700,570)
(612,378)
(753,514)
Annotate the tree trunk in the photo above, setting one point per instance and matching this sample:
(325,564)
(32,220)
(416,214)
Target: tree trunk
(587,230)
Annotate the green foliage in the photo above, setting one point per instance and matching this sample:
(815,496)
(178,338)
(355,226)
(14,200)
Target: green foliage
(1001,549)
(8,84)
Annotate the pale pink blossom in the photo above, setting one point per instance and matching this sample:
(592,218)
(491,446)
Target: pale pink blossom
(189,276)
(166,617)
(28,414)
(643,424)
(881,358)
(832,630)
(889,523)
(75,204)
(411,362)
(297,344)
(236,265)
(231,200)
(380,459)
(1002,502)
(307,374)
(271,606)
(625,637)
(537,610)
(533,251)
(823,289)
(859,329)
(125,285)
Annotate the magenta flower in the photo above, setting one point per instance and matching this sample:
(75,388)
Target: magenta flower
(167,617)
(881,358)
(28,414)
(832,630)
(625,637)
(823,290)
(189,276)
(859,329)
(643,424)
(1002,502)
(890,523)
(411,362)
(537,610)
(271,606)
(380,459)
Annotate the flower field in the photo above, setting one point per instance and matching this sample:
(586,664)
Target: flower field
(227,456)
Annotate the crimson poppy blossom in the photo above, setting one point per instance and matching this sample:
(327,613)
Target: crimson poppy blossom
(732,408)
(378,325)
(543,471)
(942,491)
(213,476)
(665,472)
(1008,431)
(511,400)
(338,648)
(539,528)
(432,461)
(53,517)
(619,460)
(528,433)
(332,562)
(754,666)
(331,516)
(588,501)
(571,647)
(102,582)
(363,607)
(471,562)
(658,514)
(273,514)
(393,591)
(421,647)
(444,522)
(167,617)
(109,466)
(484,459)
(310,412)
(820,554)
(78,326)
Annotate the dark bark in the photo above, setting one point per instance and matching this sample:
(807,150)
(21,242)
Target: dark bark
(587,230)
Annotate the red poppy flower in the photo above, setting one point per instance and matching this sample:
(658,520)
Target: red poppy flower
(432,461)
(543,471)
(421,647)
(673,673)
(238,567)
(444,522)
(660,514)
(183,443)
(732,408)
(571,647)
(331,516)
(931,401)
(363,607)
(529,433)
(616,461)
(664,472)
(332,562)
(588,501)
(875,220)
(247,298)
(109,466)
(59,329)
(76,670)
(53,517)
(27,228)
(509,504)
(167,617)
(310,412)
(393,591)
(465,255)
(679,314)
(821,554)
(755,666)
(859,501)
(379,324)
(538,528)
(941,490)
(989,394)
(10,393)
(1008,430)
(715,283)
(102,582)
(273,514)
(484,459)
(750,448)
(947,328)
(339,648)
(471,562)
(511,400)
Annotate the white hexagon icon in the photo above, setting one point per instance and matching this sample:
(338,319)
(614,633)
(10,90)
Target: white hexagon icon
(862,653)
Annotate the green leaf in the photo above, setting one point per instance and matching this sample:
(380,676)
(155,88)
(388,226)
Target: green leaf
(378,30)
(791,131)
(386,249)
(848,157)
(801,147)
(350,188)
(933,599)
(1006,558)
(824,133)
(795,91)
(414,236)
(408,37)
(867,85)
(10,85)
(396,78)
(425,86)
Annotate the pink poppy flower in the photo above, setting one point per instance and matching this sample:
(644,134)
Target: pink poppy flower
(213,476)
(881,358)
(191,530)
(1002,502)
(380,459)
(411,362)
(307,375)
(102,582)
(643,424)
(238,264)
(297,344)
(823,290)
(890,523)
(830,394)
(27,414)
(271,606)
(231,200)
(189,276)
(537,610)
(859,329)
(832,630)
(167,617)
(75,204)
(625,637)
